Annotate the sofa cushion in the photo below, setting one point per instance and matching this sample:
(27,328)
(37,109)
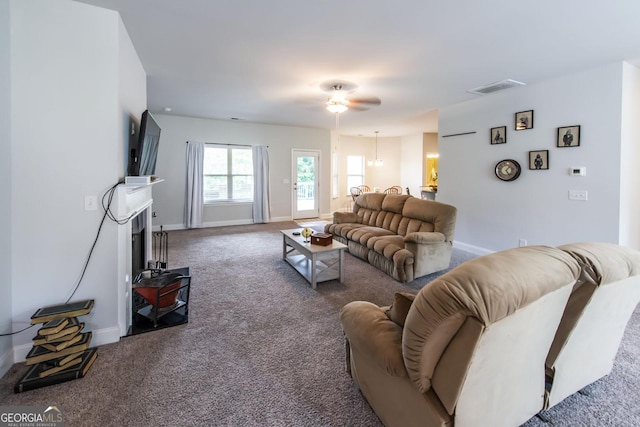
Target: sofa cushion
(371,201)
(363,234)
(399,309)
(342,230)
(387,246)
(394,203)
(378,243)
(605,262)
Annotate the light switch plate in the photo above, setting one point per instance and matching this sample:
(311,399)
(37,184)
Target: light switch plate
(578,195)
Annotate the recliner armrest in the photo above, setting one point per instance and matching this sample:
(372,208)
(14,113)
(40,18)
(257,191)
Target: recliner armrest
(342,217)
(370,332)
(424,237)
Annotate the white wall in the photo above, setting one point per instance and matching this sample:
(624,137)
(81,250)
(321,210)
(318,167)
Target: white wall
(168,196)
(66,142)
(494,215)
(391,154)
(351,146)
(412,163)
(402,157)
(132,92)
(381,177)
(6,358)
(630,155)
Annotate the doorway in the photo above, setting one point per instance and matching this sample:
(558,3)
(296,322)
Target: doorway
(305,178)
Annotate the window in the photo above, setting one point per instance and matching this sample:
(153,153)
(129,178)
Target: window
(228,174)
(355,171)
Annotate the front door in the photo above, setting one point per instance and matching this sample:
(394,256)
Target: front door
(305,184)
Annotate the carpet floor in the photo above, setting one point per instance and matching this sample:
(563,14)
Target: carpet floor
(264,349)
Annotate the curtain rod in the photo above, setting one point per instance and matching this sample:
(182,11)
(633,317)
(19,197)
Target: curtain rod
(235,145)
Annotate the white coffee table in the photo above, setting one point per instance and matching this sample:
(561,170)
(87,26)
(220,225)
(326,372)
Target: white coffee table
(316,263)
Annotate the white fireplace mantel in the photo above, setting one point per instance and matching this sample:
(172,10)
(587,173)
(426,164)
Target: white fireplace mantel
(132,200)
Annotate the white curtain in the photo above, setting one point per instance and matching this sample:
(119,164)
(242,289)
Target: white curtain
(261,199)
(195,185)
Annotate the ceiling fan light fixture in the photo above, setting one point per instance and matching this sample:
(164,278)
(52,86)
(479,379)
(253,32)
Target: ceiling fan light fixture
(337,106)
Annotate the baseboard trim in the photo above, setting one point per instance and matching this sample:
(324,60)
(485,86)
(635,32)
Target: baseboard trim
(476,250)
(6,362)
(172,227)
(98,337)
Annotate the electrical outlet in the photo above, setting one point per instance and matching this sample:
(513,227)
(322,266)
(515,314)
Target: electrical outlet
(522,242)
(90,203)
(578,195)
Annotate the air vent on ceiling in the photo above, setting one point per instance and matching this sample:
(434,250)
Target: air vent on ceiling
(495,87)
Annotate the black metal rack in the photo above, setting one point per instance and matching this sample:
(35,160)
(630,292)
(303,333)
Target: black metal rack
(161,300)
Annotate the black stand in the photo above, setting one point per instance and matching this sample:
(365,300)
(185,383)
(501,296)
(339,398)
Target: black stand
(149,312)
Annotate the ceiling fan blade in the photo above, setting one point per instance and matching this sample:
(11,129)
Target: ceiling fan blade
(358,107)
(372,100)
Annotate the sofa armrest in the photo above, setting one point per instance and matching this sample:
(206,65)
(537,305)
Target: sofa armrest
(431,251)
(342,217)
(424,237)
(371,333)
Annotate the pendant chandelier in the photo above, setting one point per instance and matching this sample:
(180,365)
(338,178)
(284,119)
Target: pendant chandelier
(376,162)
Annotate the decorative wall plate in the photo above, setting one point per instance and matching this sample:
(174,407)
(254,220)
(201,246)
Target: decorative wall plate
(508,170)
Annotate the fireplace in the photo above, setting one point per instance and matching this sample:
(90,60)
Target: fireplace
(138,242)
(134,248)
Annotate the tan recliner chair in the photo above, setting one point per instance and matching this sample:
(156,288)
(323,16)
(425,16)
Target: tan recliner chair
(472,349)
(594,321)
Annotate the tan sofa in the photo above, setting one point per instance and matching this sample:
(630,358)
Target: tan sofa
(403,236)
(470,348)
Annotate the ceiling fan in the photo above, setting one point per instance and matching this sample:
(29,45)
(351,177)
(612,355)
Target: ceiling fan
(339,100)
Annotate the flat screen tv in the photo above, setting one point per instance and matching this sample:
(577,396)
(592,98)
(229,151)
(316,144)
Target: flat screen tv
(143,151)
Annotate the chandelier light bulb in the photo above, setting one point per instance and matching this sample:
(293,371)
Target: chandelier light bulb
(337,106)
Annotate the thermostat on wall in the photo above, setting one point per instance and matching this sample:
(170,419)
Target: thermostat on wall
(581,171)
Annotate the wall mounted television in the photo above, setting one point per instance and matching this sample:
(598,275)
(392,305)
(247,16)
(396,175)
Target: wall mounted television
(143,151)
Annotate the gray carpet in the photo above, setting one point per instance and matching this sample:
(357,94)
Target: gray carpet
(263,349)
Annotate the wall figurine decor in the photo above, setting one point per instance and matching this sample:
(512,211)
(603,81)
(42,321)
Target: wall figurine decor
(498,135)
(539,159)
(568,136)
(524,120)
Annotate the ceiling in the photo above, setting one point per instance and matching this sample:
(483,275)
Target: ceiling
(262,61)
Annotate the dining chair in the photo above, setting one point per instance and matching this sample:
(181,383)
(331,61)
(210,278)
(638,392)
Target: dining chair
(391,190)
(355,192)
